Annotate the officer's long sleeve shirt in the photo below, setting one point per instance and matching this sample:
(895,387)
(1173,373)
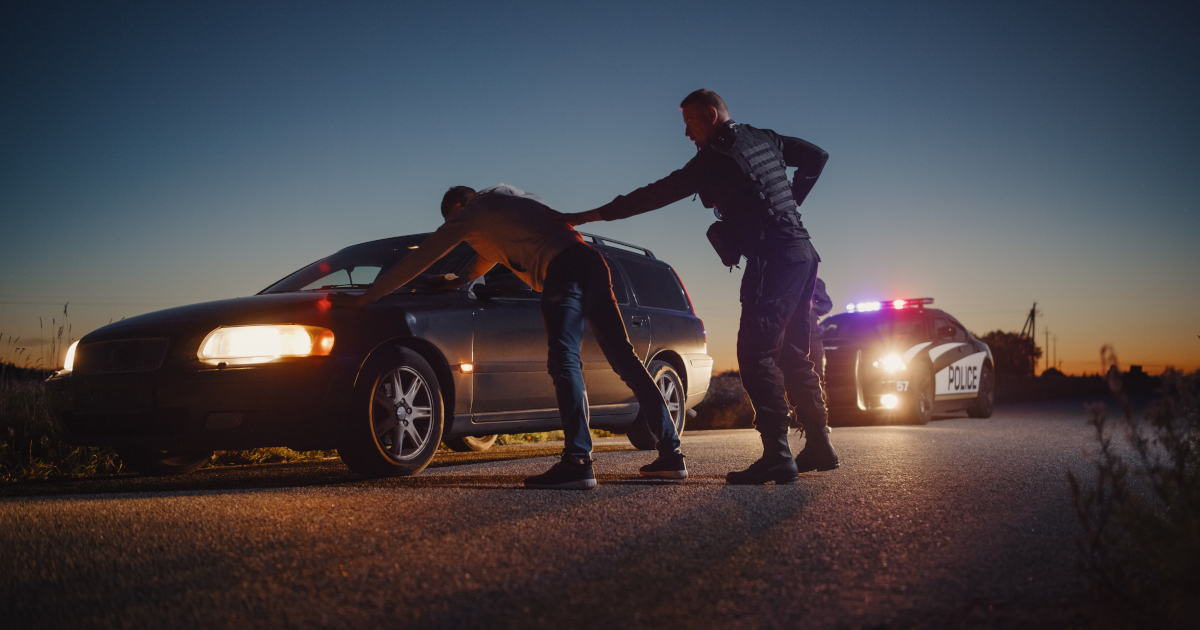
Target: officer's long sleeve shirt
(711,168)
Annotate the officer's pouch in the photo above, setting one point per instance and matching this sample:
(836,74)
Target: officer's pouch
(724,240)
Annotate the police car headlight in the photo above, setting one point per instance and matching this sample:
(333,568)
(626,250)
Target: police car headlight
(892,363)
(69,362)
(243,345)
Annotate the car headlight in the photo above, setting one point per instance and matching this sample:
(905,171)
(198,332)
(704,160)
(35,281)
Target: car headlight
(891,363)
(69,362)
(243,345)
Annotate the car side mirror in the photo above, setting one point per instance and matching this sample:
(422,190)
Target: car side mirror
(506,285)
(945,331)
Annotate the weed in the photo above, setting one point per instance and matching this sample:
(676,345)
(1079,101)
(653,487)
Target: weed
(1140,515)
(726,406)
(30,448)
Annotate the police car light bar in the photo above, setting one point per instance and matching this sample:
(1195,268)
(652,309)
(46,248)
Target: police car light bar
(863,307)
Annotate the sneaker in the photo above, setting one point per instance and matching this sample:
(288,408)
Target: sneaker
(567,474)
(666,467)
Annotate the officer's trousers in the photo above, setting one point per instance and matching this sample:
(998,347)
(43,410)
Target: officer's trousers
(773,340)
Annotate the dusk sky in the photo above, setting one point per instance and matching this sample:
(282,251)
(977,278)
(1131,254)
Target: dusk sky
(988,155)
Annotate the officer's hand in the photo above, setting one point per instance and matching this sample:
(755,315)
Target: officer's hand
(579,218)
(347,300)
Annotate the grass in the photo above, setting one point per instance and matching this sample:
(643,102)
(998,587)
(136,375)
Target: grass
(1140,513)
(727,406)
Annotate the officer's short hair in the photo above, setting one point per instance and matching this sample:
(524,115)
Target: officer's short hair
(456,195)
(706,99)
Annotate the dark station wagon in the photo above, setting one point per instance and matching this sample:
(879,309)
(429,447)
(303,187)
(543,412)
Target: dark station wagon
(382,384)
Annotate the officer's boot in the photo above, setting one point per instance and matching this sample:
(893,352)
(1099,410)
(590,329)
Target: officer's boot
(818,453)
(776,464)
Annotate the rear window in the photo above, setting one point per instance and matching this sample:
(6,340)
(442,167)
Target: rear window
(655,285)
(887,324)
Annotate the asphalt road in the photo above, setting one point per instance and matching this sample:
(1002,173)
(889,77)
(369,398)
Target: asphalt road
(961,523)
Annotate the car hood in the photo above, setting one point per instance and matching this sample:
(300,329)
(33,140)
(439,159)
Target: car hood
(279,308)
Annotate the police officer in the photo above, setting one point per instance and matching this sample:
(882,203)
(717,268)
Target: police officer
(740,172)
(821,306)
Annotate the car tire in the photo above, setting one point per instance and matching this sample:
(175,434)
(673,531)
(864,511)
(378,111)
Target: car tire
(920,404)
(155,463)
(471,443)
(985,402)
(396,425)
(671,386)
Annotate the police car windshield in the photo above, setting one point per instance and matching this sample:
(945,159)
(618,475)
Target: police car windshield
(884,324)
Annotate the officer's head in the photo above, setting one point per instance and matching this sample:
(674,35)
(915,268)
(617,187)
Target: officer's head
(455,199)
(703,112)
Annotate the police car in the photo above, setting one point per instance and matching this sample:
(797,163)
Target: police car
(902,361)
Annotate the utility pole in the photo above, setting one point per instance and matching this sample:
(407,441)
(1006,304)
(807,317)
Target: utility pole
(1047,329)
(1029,330)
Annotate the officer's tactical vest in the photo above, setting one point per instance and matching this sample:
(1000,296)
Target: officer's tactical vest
(764,207)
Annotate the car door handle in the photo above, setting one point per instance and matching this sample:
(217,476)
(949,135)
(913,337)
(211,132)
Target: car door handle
(638,320)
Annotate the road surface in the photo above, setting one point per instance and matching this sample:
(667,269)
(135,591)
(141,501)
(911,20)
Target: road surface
(960,523)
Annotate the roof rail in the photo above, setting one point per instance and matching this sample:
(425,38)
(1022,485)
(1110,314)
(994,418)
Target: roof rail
(600,240)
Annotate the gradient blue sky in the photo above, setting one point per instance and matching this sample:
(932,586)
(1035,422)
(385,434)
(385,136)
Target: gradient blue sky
(987,154)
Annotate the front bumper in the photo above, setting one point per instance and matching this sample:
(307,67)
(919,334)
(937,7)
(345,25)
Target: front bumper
(294,403)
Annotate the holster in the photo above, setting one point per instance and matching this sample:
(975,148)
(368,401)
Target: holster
(724,240)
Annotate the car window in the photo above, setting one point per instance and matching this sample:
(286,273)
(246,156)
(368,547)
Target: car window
(345,277)
(358,266)
(903,324)
(960,331)
(618,282)
(957,334)
(655,285)
(501,274)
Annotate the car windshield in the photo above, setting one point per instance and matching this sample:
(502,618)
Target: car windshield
(886,324)
(357,266)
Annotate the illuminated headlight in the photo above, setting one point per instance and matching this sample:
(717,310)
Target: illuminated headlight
(892,363)
(69,362)
(242,345)
(889,401)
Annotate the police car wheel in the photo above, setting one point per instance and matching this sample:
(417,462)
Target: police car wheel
(920,406)
(986,400)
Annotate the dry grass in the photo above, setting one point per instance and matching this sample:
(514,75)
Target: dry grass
(1140,514)
(727,406)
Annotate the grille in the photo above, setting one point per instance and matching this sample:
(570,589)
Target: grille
(126,355)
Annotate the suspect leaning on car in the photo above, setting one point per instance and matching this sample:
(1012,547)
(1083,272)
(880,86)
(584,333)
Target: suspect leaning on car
(508,226)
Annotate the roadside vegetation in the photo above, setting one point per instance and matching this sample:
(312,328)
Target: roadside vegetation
(1139,509)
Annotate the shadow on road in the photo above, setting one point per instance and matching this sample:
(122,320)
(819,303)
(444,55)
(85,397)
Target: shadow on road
(329,472)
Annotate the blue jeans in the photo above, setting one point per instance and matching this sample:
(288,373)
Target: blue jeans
(578,289)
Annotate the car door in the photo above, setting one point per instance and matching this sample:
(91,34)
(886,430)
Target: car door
(957,363)
(607,393)
(510,355)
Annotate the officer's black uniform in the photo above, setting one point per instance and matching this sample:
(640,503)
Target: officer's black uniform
(741,174)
